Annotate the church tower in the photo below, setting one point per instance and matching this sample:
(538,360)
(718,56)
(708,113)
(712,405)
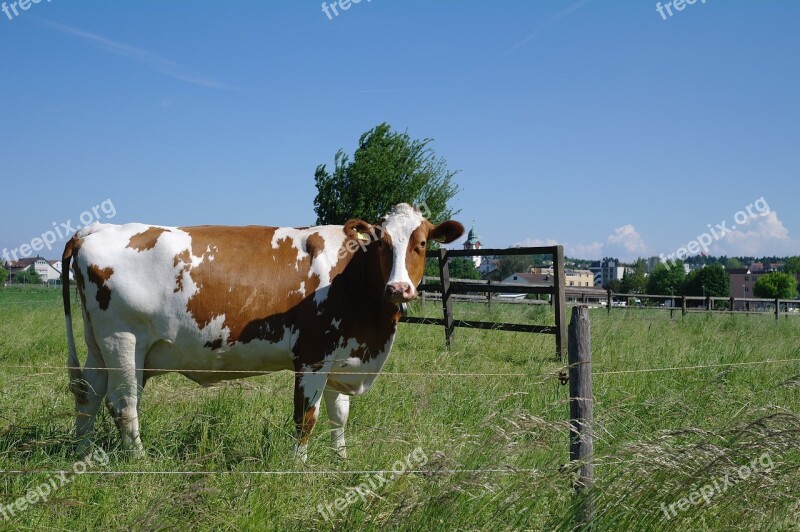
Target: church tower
(473,242)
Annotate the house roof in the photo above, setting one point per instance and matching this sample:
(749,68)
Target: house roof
(529,277)
(21,264)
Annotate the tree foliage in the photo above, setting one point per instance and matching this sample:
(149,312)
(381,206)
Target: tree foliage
(635,280)
(512,264)
(792,265)
(712,281)
(667,279)
(3,275)
(28,276)
(387,168)
(462,268)
(776,285)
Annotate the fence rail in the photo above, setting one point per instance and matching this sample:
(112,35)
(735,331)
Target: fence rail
(449,288)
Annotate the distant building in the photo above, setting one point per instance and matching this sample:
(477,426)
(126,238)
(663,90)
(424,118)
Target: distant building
(652,263)
(606,271)
(743,280)
(544,276)
(473,242)
(488,267)
(49,270)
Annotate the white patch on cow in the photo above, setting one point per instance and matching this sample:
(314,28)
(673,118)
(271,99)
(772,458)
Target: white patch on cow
(347,371)
(400,223)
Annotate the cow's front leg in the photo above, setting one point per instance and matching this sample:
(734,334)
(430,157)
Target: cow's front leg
(308,388)
(338,406)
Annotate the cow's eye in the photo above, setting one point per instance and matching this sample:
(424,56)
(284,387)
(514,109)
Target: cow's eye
(423,244)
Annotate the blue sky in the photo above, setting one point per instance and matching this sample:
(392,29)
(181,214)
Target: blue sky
(595,124)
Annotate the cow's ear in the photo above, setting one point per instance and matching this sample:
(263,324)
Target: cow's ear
(446,232)
(358,229)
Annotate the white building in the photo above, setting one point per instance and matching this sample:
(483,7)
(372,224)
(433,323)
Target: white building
(49,270)
(606,271)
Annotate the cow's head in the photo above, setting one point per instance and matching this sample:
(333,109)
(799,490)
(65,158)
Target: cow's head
(400,241)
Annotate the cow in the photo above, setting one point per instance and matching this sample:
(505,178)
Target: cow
(215,303)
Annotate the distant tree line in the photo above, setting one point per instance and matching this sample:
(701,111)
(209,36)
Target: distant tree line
(712,280)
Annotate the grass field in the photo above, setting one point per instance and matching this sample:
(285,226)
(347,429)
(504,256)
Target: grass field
(661,436)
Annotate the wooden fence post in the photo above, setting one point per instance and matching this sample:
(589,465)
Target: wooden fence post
(489,294)
(609,300)
(777,308)
(581,410)
(447,302)
(733,303)
(683,306)
(560,302)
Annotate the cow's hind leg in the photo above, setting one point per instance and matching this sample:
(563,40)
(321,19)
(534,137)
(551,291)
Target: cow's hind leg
(124,359)
(338,406)
(94,385)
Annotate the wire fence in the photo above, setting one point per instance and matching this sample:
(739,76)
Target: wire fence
(532,379)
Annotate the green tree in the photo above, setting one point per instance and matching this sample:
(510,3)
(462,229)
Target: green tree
(667,279)
(776,285)
(635,280)
(28,276)
(512,264)
(792,265)
(462,268)
(732,263)
(3,275)
(712,281)
(387,168)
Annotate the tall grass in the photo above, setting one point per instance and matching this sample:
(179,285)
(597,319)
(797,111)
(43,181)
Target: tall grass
(660,435)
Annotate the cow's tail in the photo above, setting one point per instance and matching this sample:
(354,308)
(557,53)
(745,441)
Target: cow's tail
(76,383)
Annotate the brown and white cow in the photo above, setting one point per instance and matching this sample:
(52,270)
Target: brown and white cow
(216,303)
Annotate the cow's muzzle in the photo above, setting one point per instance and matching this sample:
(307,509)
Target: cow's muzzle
(400,292)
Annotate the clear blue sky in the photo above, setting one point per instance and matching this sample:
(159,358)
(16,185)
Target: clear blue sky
(596,124)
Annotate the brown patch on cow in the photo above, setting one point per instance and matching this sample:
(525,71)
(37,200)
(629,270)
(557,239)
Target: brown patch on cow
(415,254)
(305,428)
(147,239)
(99,277)
(184,258)
(248,279)
(315,245)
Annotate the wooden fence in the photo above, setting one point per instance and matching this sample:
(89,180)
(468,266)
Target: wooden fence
(687,304)
(449,288)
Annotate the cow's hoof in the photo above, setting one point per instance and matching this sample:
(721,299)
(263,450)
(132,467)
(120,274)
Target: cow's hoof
(301,453)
